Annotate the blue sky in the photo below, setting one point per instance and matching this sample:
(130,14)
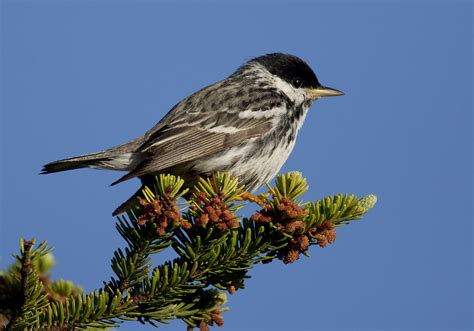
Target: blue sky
(79,77)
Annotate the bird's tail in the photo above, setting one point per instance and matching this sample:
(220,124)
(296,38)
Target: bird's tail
(77,162)
(122,157)
(101,160)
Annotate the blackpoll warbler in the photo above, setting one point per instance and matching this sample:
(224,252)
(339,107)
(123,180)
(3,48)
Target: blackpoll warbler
(245,124)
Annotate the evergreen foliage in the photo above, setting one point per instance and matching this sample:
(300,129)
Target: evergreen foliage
(215,250)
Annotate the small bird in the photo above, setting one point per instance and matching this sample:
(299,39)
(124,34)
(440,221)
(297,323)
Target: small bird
(245,124)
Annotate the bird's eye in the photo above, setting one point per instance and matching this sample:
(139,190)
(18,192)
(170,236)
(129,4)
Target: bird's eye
(297,82)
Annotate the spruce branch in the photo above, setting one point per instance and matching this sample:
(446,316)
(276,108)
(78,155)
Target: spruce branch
(25,271)
(215,250)
(29,298)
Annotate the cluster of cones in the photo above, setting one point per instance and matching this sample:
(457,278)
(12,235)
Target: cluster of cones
(216,318)
(324,233)
(285,214)
(163,213)
(214,212)
(288,216)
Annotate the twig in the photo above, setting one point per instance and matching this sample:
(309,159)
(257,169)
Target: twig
(24,275)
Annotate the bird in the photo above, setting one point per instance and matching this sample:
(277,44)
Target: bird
(245,124)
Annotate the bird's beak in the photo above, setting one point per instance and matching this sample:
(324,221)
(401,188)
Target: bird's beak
(323,91)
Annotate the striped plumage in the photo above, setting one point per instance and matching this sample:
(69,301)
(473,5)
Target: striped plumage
(245,124)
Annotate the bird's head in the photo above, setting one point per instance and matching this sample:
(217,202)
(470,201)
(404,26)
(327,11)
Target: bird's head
(293,76)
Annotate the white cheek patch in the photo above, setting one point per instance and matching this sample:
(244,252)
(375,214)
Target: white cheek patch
(295,94)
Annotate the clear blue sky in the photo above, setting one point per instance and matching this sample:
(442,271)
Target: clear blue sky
(82,76)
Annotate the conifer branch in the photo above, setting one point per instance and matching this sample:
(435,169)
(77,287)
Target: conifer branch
(27,296)
(25,271)
(215,250)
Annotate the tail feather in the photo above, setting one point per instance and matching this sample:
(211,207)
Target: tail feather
(121,157)
(82,161)
(103,160)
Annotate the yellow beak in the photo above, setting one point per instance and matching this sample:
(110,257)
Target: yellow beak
(323,91)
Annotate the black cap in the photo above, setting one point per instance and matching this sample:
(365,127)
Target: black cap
(289,68)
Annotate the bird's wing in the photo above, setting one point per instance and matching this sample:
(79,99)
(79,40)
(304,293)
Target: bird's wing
(173,145)
(209,121)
